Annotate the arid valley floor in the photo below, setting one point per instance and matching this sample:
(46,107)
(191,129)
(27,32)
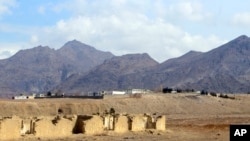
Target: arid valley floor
(189,117)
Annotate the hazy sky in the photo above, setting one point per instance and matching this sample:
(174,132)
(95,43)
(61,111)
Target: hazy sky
(162,28)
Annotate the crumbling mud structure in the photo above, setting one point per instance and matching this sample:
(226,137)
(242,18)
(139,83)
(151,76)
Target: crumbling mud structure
(13,128)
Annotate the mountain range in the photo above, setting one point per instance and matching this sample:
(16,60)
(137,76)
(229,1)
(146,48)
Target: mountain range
(110,74)
(41,68)
(77,67)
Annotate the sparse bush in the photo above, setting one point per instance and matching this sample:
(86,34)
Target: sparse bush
(203,92)
(112,111)
(223,96)
(55,120)
(188,90)
(135,95)
(213,94)
(167,90)
(59,111)
(179,90)
(49,93)
(226,96)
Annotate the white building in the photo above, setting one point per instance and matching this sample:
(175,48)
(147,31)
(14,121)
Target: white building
(41,95)
(20,97)
(23,97)
(113,92)
(137,91)
(118,92)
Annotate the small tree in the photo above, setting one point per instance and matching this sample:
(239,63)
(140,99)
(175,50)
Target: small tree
(167,90)
(203,92)
(49,93)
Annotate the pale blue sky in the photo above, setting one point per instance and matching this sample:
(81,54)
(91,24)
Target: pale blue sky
(162,28)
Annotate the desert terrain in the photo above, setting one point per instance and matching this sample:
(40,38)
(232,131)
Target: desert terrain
(189,117)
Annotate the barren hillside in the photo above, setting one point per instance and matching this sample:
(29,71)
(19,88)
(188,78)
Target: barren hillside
(171,104)
(189,117)
(41,68)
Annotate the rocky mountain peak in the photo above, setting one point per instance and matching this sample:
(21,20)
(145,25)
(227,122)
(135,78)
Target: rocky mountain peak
(40,68)
(136,56)
(240,42)
(242,37)
(135,60)
(75,44)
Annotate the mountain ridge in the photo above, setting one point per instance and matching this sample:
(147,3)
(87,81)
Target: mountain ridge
(108,75)
(77,67)
(223,69)
(41,68)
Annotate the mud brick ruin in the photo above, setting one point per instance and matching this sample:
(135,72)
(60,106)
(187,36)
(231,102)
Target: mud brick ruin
(66,125)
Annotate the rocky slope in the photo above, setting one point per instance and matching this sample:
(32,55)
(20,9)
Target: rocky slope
(110,74)
(41,68)
(223,69)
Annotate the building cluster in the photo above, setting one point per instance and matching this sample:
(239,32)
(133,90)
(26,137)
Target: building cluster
(178,90)
(63,126)
(123,92)
(96,95)
(34,96)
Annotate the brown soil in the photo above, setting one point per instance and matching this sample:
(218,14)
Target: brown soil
(190,117)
